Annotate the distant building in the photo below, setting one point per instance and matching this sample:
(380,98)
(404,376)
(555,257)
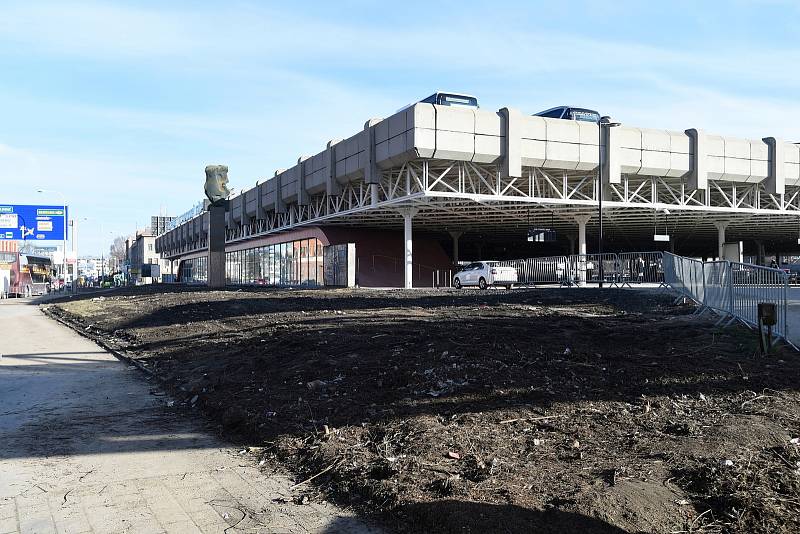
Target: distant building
(145,265)
(90,267)
(159,224)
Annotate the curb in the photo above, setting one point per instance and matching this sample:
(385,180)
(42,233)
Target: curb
(105,346)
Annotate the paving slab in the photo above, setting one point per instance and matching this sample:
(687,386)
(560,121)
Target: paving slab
(86,447)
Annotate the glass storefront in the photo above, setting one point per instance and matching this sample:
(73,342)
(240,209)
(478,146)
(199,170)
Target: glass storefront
(296,263)
(195,270)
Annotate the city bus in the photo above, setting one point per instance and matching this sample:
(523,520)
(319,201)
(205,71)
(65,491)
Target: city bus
(24,275)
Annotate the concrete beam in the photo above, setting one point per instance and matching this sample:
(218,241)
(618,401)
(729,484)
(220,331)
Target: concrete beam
(302,170)
(775,182)
(512,158)
(610,159)
(259,200)
(698,160)
(371,173)
(332,186)
(279,205)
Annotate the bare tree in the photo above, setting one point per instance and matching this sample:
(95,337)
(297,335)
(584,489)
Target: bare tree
(117,250)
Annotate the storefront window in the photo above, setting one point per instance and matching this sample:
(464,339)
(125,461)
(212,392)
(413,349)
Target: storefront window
(293,263)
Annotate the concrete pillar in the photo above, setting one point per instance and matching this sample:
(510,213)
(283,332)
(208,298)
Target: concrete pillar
(455,235)
(408,256)
(216,245)
(721,226)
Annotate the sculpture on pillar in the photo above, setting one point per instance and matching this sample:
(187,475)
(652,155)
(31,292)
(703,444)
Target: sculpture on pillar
(217,192)
(217,184)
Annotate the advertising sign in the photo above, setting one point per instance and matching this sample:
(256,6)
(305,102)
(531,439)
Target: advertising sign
(18,221)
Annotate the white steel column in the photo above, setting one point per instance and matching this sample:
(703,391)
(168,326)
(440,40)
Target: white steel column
(455,235)
(408,215)
(721,226)
(582,220)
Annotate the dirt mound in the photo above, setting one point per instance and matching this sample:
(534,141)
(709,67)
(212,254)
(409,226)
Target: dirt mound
(520,411)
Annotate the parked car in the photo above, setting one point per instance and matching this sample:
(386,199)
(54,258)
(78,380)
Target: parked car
(571,113)
(484,274)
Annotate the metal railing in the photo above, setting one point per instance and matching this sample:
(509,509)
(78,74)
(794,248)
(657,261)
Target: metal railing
(731,289)
(627,269)
(640,268)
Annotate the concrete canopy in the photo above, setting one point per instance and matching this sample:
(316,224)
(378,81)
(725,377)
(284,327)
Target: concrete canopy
(498,173)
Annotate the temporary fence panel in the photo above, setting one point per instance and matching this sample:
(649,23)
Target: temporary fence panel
(443,277)
(716,286)
(592,267)
(684,275)
(753,284)
(547,270)
(641,268)
(617,269)
(730,288)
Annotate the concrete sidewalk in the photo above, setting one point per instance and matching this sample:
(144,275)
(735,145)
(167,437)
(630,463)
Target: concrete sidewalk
(86,446)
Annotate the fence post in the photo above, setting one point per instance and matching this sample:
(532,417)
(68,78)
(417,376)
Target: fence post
(703,279)
(729,268)
(785,306)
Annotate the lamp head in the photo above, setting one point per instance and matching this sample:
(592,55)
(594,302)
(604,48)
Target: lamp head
(605,120)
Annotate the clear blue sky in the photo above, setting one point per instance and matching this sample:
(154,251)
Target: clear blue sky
(120,105)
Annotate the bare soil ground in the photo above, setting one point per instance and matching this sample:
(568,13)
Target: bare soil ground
(496,411)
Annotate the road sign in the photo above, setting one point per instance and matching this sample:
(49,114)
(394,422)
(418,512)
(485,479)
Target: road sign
(18,221)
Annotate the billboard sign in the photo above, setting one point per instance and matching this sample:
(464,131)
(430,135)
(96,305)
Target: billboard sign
(19,221)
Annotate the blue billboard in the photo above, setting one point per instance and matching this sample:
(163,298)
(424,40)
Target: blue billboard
(27,222)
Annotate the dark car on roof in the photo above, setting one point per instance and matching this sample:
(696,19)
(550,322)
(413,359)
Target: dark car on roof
(441,98)
(571,113)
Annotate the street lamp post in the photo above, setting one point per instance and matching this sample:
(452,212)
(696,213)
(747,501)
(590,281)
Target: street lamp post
(64,255)
(604,122)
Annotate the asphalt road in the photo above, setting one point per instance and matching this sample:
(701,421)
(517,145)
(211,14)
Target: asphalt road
(88,444)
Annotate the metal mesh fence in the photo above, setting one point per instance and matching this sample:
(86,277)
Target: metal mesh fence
(640,268)
(716,285)
(578,269)
(730,288)
(752,284)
